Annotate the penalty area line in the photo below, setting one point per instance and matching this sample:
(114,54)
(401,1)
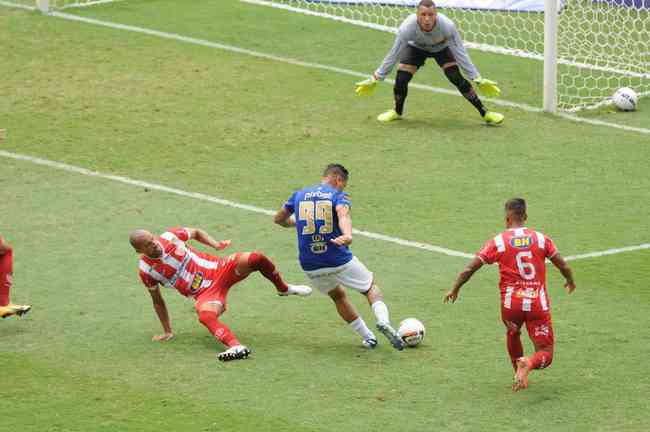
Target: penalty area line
(213,199)
(254,209)
(287,60)
(231,48)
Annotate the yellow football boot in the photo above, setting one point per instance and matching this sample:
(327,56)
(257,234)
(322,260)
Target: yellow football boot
(389,116)
(493,118)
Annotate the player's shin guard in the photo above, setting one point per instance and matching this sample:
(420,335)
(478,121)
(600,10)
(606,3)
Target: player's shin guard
(400,90)
(541,359)
(217,328)
(259,262)
(515,348)
(6,270)
(465,88)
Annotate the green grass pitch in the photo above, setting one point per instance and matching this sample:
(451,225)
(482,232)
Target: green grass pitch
(251,130)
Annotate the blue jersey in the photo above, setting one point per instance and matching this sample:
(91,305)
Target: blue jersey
(316,224)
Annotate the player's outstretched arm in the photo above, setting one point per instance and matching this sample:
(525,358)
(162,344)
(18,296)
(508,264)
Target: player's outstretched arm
(283,218)
(462,278)
(4,246)
(566,271)
(163,315)
(367,86)
(203,237)
(345,225)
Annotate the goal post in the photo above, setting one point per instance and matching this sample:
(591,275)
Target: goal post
(550,55)
(589,48)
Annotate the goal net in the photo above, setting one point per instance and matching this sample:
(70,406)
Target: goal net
(602,45)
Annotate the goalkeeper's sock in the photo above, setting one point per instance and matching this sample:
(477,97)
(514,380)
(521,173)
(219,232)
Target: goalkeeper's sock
(401,89)
(6,269)
(259,262)
(473,98)
(464,87)
(217,328)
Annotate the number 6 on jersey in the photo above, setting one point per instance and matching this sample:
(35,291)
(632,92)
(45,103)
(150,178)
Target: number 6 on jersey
(526,269)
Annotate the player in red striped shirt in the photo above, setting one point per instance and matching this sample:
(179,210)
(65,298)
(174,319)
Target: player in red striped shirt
(8,309)
(169,261)
(521,254)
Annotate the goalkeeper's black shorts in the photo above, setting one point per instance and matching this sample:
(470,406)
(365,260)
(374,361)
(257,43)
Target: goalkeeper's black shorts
(416,57)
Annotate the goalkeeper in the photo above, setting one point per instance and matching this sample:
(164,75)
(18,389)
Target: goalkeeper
(425,34)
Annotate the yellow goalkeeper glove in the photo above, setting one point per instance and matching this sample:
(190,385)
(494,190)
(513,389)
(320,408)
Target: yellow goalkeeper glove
(487,87)
(366,87)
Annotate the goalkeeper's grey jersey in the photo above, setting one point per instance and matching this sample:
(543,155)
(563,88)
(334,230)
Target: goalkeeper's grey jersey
(443,35)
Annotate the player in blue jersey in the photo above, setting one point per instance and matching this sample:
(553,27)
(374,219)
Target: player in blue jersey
(324,227)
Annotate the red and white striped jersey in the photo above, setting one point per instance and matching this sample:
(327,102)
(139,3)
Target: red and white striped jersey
(521,254)
(180,267)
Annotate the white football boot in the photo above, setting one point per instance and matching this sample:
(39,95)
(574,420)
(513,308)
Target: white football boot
(299,290)
(237,352)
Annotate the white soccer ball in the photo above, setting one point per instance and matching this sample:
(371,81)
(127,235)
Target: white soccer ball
(411,331)
(625,99)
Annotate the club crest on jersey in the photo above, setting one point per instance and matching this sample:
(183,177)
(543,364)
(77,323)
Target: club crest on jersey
(196,282)
(521,242)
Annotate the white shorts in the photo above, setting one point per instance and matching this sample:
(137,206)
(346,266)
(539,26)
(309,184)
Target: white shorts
(352,274)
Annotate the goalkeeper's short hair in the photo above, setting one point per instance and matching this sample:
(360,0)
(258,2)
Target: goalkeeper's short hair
(336,170)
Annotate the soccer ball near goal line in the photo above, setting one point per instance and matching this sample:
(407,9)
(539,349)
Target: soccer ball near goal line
(412,331)
(625,99)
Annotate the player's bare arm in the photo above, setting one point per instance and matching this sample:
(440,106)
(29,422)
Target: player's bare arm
(203,237)
(163,315)
(4,246)
(345,224)
(566,271)
(462,278)
(283,218)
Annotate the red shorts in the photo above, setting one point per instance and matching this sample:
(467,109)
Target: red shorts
(224,278)
(538,324)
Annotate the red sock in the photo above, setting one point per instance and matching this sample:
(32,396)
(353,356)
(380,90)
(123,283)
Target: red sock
(217,328)
(515,349)
(258,261)
(6,271)
(541,359)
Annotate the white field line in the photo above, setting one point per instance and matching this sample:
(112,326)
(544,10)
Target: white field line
(608,252)
(86,4)
(202,42)
(66,6)
(296,62)
(479,46)
(254,209)
(16,5)
(408,243)
(214,200)
(595,122)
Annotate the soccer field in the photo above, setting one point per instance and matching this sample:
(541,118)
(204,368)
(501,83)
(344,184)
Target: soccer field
(242,103)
